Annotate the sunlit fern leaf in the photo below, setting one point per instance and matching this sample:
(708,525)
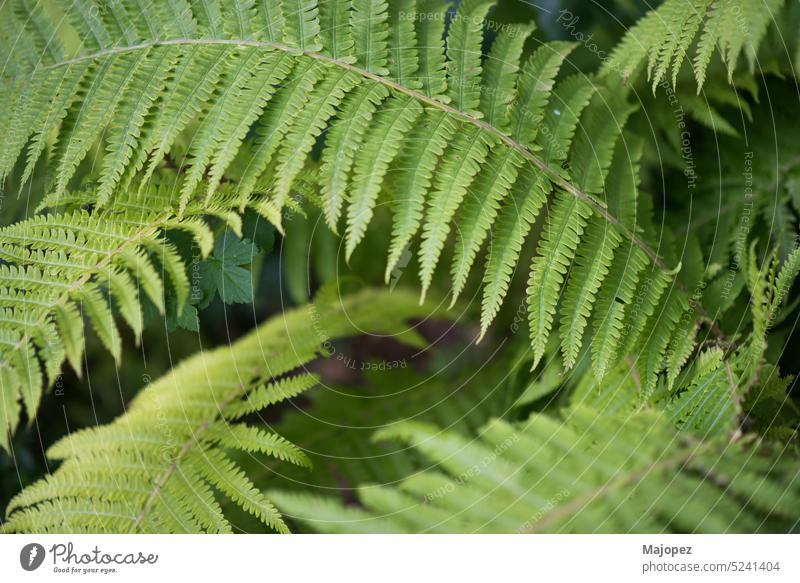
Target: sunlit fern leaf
(192,83)
(126,128)
(398,107)
(590,269)
(236,76)
(500,74)
(403,61)
(335,31)
(616,297)
(421,152)
(593,149)
(250,104)
(208,17)
(387,136)
(275,122)
(493,182)
(456,172)
(464,48)
(709,405)
(565,225)
(588,473)
(678,30)
(430,21)
(30,15)
(307,127)
(534,87)
(240,21)
(165,464)
(72,262)
(657,334)
(346,137)
(369,21)
(84,124)
(514,223)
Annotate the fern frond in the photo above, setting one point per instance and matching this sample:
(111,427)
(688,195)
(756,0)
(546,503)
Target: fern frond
(666,35)
(709,405)
(98,263)
(564,229)
(460,146)
(588,473)
(591,269)
(162,466)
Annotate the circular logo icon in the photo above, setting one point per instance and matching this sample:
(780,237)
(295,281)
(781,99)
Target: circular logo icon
(31,556)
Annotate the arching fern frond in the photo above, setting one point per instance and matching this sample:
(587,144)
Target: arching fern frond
(726,388)
(79,262)
(683,30)
(167,462)
(588,473)
(465,148)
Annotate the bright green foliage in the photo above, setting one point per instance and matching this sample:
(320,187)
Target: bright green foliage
(460,146)
(164,465)
(692,30)
(74,264)
(655,233)
(587,473)
(769,286)
(708,406)
(223,273)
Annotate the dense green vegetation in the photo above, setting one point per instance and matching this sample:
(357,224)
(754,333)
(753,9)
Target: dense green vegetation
(399,266)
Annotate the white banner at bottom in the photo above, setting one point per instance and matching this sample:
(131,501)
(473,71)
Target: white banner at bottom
(390,558)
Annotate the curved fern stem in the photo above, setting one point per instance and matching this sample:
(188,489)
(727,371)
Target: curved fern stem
(554,174)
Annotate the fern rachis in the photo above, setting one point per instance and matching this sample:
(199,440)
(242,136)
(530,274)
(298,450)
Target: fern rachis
(163,465)
(290,87)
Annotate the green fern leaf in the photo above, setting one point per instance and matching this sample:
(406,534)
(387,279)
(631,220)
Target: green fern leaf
(566,223)
(164,464)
